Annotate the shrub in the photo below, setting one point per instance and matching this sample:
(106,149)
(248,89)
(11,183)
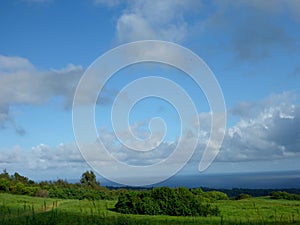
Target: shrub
(167,201)
(42,193)
(284,195)
(214,195)
(4,185)
(243,196)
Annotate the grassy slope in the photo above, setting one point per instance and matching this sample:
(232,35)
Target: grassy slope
(261,210)
(30,210)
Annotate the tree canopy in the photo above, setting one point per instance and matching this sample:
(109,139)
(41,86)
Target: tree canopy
(88,179)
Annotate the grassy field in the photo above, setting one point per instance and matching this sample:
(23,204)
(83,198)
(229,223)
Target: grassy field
(26,210)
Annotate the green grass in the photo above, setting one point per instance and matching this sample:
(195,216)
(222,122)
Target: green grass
(261,210)
(15,209)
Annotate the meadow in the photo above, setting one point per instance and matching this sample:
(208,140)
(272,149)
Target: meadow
(20,209)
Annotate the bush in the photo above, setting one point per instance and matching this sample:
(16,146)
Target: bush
(167,201)
(214,195)
(4,185)
(90,195)
(243,196)
(42,193)
(284,195)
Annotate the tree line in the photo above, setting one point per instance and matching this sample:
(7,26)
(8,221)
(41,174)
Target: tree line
(235,192)
(284,195)
(179,201)
(87,188)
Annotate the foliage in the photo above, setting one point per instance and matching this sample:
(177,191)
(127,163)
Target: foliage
(42,193)
(243,196)
(284,195)
(209,196)
(88,179)
(174,202)
(234,192)
(89,188)
(88,203)
(4,185)
(17,209)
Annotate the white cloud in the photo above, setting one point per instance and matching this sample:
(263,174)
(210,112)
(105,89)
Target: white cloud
(156,19)
(108,3)
(256,34)
(14,64)
(271,131)
(156,151)
(268,129)
(43,162)
(132,27)
(22,83)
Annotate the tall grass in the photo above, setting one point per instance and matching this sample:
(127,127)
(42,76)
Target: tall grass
(39,211)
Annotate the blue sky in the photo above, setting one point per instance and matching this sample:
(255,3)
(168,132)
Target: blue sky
(253,48)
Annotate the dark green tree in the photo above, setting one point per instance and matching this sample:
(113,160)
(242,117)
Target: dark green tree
(4,185)
(19,178)
(243,196)
(4,175)
(88,179)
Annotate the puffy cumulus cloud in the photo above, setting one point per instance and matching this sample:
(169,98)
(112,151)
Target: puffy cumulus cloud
(22,83)
(127,149)
(44,162)
(254,30)
(11,64)
(283,101)
(65,158)
(153,19)
(267,130)
(41,157)
(46,157)
(109,3)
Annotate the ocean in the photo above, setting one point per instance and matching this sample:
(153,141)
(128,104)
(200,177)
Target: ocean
(263,180)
